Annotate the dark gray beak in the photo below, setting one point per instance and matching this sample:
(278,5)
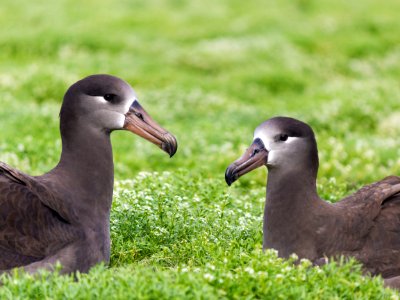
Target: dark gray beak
(255,156)
(138,121)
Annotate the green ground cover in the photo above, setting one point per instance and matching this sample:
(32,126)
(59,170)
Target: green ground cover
(210,72)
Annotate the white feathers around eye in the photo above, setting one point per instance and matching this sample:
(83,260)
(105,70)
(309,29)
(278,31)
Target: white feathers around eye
(124,106)
(100,99)
(269,141)
(264,138)
(128,104)
(117,118)
(291,139)
(111,115)
(276,148)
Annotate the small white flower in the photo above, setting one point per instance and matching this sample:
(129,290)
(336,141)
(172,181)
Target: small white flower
(249,270)
(261,273)
(209,277)
(272,251)
(287,269)
(305,262)
(210,266)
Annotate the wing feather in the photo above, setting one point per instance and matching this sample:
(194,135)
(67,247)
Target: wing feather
(28,220)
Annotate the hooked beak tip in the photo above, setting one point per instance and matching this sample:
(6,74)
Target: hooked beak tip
(172,153)
(170,145)
(230,176)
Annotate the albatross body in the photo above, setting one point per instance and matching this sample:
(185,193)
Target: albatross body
(63,215)
(365,225)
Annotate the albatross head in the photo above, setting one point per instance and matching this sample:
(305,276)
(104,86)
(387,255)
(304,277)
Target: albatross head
(280,143)
(106,103)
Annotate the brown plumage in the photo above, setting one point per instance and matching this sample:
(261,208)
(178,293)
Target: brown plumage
(31,222)
(63,215)
(364,225)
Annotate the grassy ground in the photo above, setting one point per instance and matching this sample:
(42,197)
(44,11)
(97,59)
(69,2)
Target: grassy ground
(209,71)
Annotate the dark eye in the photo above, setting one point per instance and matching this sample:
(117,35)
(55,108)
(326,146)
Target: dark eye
(109,97)
(283,137)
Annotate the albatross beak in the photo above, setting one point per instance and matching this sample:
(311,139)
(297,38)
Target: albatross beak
(255,156)
(138,121)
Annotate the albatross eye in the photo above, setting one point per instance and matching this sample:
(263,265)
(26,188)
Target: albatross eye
(283,137)
(109,97)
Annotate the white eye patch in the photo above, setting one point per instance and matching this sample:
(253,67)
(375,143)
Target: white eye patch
(291,139)
(112,115)
(125,105)
(128,104)
(100,99)
(266,140)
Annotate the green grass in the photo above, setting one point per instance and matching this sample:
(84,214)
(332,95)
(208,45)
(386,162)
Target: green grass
(210,72)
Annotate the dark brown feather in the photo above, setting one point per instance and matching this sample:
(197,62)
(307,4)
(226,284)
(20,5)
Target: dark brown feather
(368,228)
(28,225)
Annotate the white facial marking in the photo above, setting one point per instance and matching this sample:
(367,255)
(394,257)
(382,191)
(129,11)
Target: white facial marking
(120,121)
(125,106)
(271,157)
(264,138)
(290,139)
(101,99)
(128,104)
(113,115)
(273,147)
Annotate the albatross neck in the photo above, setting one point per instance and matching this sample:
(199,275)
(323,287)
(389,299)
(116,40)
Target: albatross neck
(291,202)
(86,169)
(291,190)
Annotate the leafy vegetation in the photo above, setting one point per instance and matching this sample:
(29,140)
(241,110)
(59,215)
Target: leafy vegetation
(210,72)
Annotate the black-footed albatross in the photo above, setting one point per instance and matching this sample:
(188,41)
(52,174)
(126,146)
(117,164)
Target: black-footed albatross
(364,225)
(64,215)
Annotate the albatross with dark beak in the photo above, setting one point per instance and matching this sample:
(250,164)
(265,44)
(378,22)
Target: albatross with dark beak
(364,225)
(64,215)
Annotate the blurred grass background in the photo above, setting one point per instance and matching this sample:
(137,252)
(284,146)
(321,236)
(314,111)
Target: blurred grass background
(210,72)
